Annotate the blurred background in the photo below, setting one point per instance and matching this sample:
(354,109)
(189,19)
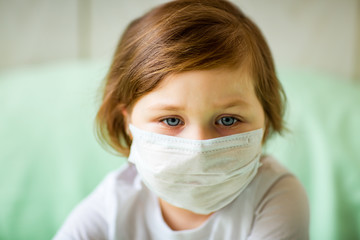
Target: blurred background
(321,34)
(54,55)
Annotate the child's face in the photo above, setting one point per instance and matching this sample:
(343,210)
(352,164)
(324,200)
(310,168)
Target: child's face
(200,105)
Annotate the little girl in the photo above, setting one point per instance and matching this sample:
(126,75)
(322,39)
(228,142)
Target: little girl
(190,98)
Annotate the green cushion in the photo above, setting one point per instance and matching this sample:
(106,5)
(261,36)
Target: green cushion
(50,158)
(322,148)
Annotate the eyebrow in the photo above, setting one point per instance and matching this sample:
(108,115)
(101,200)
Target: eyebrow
(166,107)
(233,103)
(174,107)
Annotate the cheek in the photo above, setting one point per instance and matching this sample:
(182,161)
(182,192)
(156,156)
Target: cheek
(138,116)
(261,119)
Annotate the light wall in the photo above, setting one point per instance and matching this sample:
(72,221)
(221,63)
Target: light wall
(320,34)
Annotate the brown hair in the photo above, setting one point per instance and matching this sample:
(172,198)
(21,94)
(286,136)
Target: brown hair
(179,36)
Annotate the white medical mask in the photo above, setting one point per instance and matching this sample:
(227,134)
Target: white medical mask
(202,176)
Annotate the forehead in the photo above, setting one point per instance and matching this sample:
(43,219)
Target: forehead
(204,88)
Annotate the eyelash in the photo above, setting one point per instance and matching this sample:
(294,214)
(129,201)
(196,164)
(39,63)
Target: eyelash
(235,119)
(169,118)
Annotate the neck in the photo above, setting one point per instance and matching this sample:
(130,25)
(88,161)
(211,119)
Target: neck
(181,219)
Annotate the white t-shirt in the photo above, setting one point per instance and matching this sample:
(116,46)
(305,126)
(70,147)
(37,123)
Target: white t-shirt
(273,206)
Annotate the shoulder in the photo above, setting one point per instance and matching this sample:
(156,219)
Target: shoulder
(269,174)
(282,210)
(90,219)
(125,178)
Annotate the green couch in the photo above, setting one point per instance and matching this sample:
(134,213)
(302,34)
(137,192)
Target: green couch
(50,159)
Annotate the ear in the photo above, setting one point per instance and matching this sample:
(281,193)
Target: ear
(124,112)
(126,115)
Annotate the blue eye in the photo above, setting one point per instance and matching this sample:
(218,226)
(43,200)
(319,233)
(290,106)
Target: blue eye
(227,121)
(173,122)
